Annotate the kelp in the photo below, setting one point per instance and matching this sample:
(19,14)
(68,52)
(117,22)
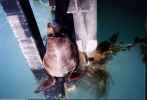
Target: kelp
(102,77)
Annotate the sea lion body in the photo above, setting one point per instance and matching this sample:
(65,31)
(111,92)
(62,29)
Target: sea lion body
(61,56)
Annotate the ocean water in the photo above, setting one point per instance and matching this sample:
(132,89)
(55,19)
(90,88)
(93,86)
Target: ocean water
(16,79)
(126,68)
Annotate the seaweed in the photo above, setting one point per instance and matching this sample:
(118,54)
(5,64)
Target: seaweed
(104,46)
(113,39)
(102,78)
(143,47)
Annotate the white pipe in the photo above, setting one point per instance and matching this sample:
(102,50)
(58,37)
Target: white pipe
(85,23)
